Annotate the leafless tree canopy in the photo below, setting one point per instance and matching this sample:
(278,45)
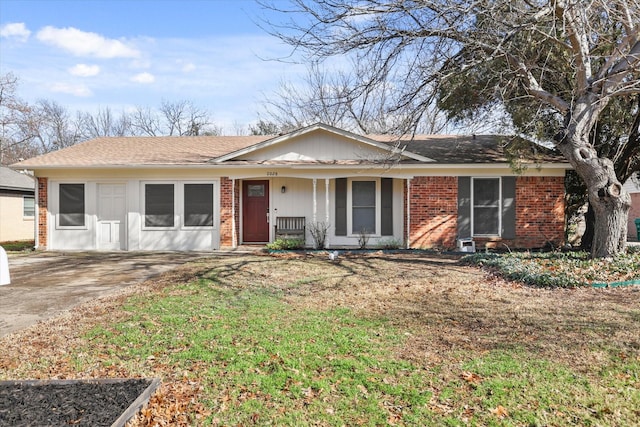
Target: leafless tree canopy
(27,130)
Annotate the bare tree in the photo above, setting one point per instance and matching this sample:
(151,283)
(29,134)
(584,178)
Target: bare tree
(183,118)
(14,118)
(52,126)
(412,44)
(145,122)
(104,123)
(265,127)
(334,98)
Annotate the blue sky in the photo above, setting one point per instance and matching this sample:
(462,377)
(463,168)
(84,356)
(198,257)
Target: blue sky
(88,54)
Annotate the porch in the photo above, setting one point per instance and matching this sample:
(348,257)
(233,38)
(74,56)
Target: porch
(347,207)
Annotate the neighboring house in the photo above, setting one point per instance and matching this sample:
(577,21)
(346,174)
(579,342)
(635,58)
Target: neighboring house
(17,206)
(633,187)
(210,192)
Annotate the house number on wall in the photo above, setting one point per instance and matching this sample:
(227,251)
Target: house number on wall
(272,173)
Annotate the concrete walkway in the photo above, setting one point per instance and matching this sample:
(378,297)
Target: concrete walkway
(47,283)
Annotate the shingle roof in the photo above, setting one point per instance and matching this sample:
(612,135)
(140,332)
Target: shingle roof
(139,151)
(472,149)
(200,150)
(12,180)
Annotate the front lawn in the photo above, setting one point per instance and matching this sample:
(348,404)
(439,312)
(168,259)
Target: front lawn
(372,339)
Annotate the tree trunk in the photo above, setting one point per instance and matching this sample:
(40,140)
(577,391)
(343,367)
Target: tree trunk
(610,202)
(610,229)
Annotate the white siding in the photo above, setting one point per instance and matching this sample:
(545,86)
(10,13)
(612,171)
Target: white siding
(317,146)
(632,186)
(137,237)
(298,201)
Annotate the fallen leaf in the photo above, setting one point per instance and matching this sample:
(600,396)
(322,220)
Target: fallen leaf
(500,411)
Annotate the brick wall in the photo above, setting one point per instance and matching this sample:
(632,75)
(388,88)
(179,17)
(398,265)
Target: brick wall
(226,212)
(634,212)
(43,210)
(433,212)
(539,211)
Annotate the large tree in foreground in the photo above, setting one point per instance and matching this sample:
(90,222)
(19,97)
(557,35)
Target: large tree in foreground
(421,46)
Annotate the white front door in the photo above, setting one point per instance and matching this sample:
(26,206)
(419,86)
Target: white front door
(111,217)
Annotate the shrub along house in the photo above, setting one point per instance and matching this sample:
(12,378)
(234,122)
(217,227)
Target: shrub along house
(211,192)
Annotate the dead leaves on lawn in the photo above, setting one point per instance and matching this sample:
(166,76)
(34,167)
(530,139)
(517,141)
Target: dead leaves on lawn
(443,307)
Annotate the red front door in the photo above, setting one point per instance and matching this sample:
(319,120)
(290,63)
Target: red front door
(255,211)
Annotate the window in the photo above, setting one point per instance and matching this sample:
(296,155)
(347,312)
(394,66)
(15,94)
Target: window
(363,207)
(255,190)
(28,206)
(71,205)
(198,205)
(486,206)
(159,205)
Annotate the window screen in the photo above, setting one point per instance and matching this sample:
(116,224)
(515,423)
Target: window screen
(158,205)
(486,206)
(198,205)
(363,205)
(71,205)
(28,206)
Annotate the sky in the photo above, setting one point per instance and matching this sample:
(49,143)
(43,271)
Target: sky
(121,54)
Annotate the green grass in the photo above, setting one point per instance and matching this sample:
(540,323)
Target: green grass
(18,245)
(263,361)
(330,367)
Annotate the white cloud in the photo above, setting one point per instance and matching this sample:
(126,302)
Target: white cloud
(187,68)
(15,29)
(84,70)
(144,78)
(82,43)
(75,90)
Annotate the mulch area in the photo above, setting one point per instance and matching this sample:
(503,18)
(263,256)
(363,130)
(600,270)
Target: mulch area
(87,404)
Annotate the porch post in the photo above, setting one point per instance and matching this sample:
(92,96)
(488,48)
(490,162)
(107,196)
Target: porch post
(234,242)
(315,200)
(408,213)
(326,201)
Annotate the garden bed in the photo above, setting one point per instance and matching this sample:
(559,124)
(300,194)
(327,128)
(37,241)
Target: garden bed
(105,402)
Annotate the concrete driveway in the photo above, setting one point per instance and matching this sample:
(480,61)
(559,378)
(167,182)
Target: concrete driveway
(45,284)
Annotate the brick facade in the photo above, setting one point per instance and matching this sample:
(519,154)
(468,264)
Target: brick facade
(540,217)
(43,211)
(228,238)
(634,213)
(433,213)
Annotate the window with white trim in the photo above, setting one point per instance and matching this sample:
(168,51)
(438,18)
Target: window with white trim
(159,207)
(364,213)
(486,206)
(198,205)
(71,205)
(28,206)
